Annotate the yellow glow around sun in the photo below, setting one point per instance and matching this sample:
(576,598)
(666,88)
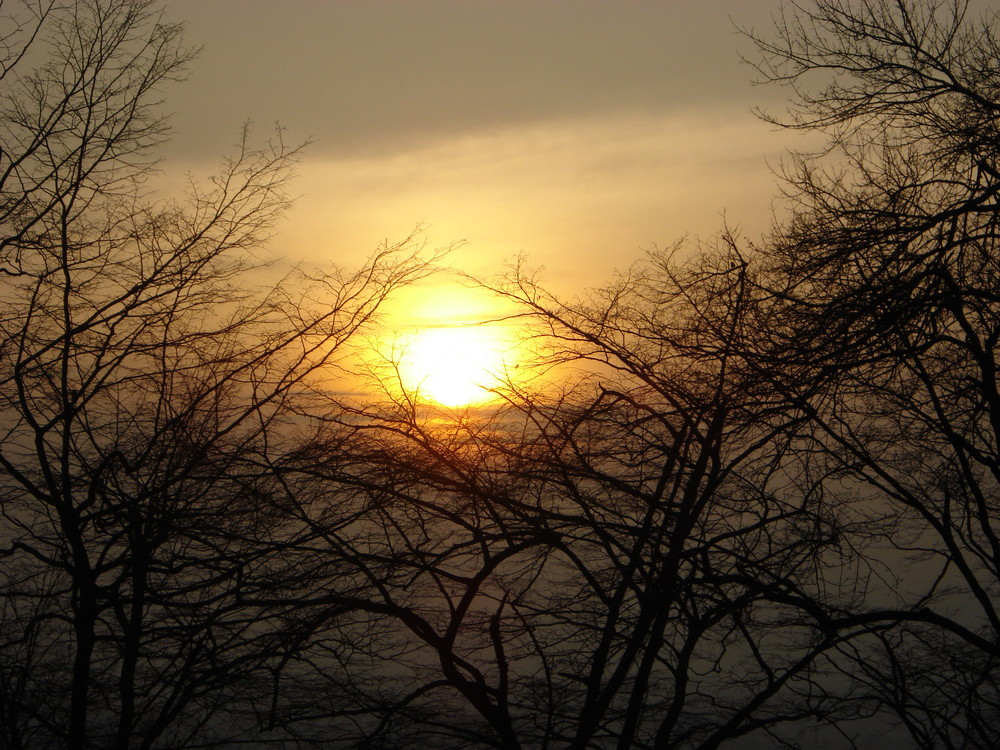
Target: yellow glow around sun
(453,365)
(449,344)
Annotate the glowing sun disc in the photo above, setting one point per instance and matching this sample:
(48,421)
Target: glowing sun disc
(453,365)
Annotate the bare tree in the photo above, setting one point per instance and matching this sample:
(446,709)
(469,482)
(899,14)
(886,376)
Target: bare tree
(764,508)
(884,293)
(148,391)
(624,560)
(773,507)
(770,508)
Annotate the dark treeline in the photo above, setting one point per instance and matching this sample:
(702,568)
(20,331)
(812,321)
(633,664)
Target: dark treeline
(761,508)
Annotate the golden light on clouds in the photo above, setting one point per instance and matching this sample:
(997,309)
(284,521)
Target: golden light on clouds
(580,197)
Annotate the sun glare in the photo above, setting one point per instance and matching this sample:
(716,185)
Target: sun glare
(453,365)
(448,344)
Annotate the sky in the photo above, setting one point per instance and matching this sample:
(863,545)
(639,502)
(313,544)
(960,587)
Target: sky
(578,133)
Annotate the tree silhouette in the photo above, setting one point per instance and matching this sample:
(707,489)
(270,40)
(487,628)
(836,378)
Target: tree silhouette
(627,561)
(754,504)
(884,285)
(148,390)
(773,506)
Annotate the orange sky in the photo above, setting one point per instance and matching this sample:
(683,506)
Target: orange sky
(576,132)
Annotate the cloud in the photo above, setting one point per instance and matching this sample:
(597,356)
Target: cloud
(378,77)
(579,196)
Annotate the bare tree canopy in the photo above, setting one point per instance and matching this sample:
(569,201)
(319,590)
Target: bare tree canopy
(754,503)
(148,388)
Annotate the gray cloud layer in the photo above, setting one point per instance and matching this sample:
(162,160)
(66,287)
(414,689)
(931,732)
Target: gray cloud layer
(364,76)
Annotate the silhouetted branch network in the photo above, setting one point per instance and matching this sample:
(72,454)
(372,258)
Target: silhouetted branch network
(752,502)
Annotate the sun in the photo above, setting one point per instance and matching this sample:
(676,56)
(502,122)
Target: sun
(449,344)
(454,366)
